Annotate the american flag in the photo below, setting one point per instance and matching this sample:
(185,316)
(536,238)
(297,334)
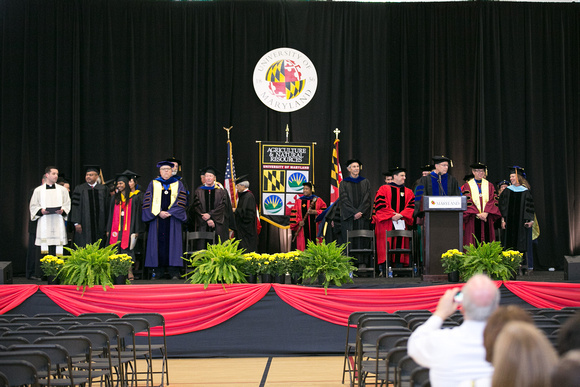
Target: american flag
(230,179)
(335,173)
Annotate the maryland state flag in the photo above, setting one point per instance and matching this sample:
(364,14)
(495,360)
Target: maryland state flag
(335,173)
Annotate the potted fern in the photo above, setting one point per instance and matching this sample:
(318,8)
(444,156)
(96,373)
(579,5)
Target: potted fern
(87,266)
(486,258)
(222,263)
(327,264)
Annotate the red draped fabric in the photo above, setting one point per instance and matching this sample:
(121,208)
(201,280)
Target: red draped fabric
(546,294)
(13,295)
(186,308)
(338,304)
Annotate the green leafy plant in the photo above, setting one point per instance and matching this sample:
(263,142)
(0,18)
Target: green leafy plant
(327,260)
(485,257)
(120,264)
(88,266)
(452,260)
(51,265)
(220,263)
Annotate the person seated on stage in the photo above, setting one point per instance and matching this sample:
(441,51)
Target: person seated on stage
(355,200)
(482,207)
(457,354)
(569,335)
(522,356)
(394,205)
(437,183)
(303,216)
(567,371)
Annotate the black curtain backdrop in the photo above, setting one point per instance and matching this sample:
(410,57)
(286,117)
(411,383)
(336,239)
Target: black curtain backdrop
(125,83)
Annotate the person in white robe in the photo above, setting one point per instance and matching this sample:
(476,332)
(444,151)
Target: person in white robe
(49,206)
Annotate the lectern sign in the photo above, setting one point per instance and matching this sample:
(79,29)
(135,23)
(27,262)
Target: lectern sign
(444,202)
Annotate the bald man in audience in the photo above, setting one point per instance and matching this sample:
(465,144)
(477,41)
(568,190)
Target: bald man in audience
(458,354)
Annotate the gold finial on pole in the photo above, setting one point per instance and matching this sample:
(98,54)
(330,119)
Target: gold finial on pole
(336,131)
(228,130)
(287,131)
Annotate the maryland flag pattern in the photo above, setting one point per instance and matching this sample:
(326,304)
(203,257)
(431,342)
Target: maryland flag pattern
(273,181)
(285,78)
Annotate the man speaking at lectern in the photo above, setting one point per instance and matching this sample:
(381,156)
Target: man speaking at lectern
(437,183)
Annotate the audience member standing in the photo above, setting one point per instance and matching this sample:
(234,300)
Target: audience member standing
(49,205)
(482,207)
(457,354)
(355,200)
(90,205)
(164,211)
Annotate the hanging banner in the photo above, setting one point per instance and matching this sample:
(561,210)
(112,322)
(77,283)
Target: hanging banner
(284,167)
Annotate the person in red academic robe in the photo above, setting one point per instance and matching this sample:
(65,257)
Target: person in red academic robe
(303,217)
(393,203)
(482,207)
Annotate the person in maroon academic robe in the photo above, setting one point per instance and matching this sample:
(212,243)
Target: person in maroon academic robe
(303,216)
(164,211)
(393,202)
(482,207)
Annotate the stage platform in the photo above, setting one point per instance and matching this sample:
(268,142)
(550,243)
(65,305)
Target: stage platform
(266,319)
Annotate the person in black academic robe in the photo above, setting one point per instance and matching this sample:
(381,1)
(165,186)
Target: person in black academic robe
(125,223)
(245,215)
(355,201)
(210,207)
(516,205)
(90,206)
(437,183)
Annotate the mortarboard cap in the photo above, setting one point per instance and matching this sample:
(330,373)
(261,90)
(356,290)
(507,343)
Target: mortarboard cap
(349,162)
(397,170)
(242,179)
(388,173)
(500,183)
(164,163)
(172,159)
(130,174)
(92,168)
(210,169)
(478,165)
(440,159)
(110,183)
(517,170)
(309,184)
(427,168)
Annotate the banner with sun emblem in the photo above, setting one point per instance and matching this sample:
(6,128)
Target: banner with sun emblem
(285,167)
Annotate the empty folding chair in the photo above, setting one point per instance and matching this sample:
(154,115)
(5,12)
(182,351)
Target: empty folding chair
(31,320)
(12,340)
(18,372)
(82,320)
(13,326)
(419,377)
(10,316)
(38,359)
(50,328)
(55,316)
(63,324)
(141,325)
(128,354)
(101,316)
(80,352)
(30,335)
(404,369)
(155,320)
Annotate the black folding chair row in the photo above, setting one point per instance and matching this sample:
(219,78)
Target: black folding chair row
(373,346)
(17,372)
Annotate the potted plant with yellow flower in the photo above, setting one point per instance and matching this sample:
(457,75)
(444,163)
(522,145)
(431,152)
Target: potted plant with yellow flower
(51,266)
(452,261)
(120,265)
(512,259)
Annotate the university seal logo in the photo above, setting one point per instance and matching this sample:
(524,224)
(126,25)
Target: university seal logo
(285,80)
(295,181)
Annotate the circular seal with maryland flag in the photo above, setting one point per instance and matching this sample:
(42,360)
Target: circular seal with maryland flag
(285,80)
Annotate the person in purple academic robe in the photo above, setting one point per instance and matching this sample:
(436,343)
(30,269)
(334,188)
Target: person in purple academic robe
(482,207)
(164,211)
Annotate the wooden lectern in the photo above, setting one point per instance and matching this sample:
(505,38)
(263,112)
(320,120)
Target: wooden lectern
(442,230)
